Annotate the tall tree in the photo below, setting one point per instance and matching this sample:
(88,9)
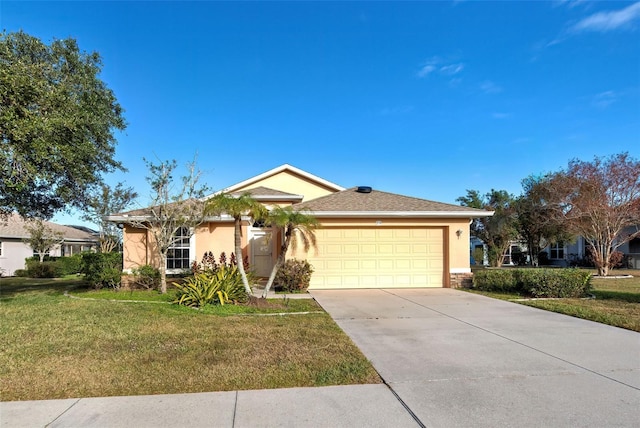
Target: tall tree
(57,123)
(174,207)
(295,225)
(496,231)
(535,223)
(237,207)
(42,238)
(103,201)
(600,201)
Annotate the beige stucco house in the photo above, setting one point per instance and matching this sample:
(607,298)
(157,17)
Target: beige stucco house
(367,239)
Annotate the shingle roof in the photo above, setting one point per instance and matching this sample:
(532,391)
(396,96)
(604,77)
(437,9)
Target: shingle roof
(351,201)
(14,227)
(262,191)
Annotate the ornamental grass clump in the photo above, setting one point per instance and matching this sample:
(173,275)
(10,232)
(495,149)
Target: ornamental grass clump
(219,287)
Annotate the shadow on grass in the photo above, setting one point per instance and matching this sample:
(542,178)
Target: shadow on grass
(616,295)
(12,287)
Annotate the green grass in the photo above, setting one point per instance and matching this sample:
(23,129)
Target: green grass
(58,347)
(616,303)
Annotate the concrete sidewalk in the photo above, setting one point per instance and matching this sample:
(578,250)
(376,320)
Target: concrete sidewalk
(331,406)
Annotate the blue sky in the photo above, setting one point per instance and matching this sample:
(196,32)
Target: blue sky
(426,99)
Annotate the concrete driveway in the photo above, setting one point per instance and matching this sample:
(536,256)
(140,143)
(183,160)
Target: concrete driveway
(459,359)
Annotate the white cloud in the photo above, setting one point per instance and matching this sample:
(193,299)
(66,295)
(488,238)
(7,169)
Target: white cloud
(569,3)
(604,99)
(426,70)
(488,87)
(607,21)
(436,64)
(451,69)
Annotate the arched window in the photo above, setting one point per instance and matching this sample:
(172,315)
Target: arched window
(178,253)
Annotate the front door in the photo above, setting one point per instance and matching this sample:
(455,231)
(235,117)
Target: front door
(261,251)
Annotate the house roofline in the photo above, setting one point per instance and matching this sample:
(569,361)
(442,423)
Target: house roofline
(274,171)
(392,214)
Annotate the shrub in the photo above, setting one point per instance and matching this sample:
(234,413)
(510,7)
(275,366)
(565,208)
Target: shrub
(46,269)
(555,282)
(294,276)
(22,273)
(69,265)
(535,282)
(212,288)
(102,269)
(543,258)
(146,276)
(495,280)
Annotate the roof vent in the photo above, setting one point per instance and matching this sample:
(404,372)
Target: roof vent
(364,189)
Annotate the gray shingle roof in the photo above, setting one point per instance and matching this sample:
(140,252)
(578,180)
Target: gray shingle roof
(262,191)
(352,201)
(14,227)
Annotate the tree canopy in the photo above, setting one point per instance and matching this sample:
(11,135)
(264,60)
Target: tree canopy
(498,230)
(600,201)
(57,124)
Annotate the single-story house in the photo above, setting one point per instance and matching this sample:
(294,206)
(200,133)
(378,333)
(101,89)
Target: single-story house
(14,251)
(570,253)
(367,238)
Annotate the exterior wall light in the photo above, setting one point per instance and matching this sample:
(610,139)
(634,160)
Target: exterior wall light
(459,233)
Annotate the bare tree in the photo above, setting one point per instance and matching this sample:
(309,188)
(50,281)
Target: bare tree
(102,202)
(600,201)
(42,238)
(174,207)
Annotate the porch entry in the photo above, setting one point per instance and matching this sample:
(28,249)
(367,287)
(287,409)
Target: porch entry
(261,246)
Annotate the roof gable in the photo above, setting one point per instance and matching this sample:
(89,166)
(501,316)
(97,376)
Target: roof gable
(351,202)
(287,179)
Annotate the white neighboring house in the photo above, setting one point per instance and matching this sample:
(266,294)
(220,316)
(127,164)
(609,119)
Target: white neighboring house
(13,251)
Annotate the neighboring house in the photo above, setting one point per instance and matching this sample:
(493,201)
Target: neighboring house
(13,251)
(571,253)
(367,239)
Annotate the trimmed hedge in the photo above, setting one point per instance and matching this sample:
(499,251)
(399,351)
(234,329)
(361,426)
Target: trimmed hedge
(535,282)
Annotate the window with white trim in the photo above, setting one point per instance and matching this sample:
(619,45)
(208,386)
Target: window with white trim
(556,251)
(178,253)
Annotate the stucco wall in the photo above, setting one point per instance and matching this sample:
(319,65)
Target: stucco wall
(287,181)
(14,253)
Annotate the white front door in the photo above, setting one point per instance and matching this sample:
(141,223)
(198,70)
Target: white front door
(261,251)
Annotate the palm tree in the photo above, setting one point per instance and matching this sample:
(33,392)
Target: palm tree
(236,207)
(294,225)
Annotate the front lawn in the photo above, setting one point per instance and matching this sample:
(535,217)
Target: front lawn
(617,301)
(60,347)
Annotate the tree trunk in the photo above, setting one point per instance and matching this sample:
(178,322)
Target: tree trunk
(163,273)
(41,256)
(279,263)
(239,256)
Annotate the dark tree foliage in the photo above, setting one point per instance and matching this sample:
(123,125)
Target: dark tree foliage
(496,231)
(536,223)
(57,123)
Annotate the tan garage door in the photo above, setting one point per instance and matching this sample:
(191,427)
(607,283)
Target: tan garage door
(378,257)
